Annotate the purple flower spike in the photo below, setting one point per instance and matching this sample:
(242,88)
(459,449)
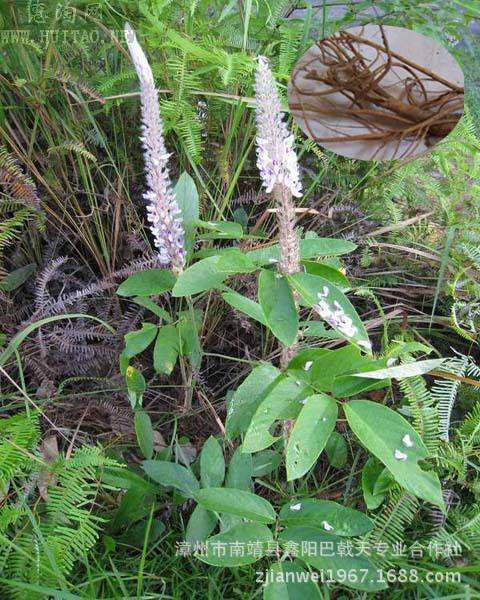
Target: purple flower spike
(277,161)
(163,212)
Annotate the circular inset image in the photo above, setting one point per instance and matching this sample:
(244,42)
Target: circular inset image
(377,92)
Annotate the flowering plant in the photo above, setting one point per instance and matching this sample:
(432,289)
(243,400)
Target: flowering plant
(311,386)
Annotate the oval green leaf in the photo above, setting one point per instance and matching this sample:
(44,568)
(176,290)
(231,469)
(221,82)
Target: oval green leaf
(282,402)
(327,555)
(243,544)
(412,369)
(212,464)
(171,475)
(310,286)
(200,525)
(147,283)
(236,502)
(247,397)
(165,352)
(200,277)
(144,431)
(311,512)
(278,305)
(392,439)
(310,434)
(245,305)
(289,581)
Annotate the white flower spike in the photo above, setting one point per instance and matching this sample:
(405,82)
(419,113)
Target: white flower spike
(277,160)
(163,211)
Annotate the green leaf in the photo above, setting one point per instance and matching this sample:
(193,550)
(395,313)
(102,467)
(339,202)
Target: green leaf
(278,306)
(187,199)
(382,431)
(309,248)
(402,348)
(370,474)
(200,525)
(289,581)
(347,386)
(226,230)
(314,247)
(236,502)
(152,307)
(385,482)
(240,471)
(136,534)
(245,305)
(221,549)
(171,475)
(247,397)
(308,288)
(125,479)
(310,433)
(404,371)
(144,431)
(212,464)
(331,364)
(329,273)
(325,513)
(147,283)
(138,341)
(282,402)
(134,505)
(235,261)
(16,278)
(188,329)
(265,462)
(337,450)
(165,352)
(136,386)
(324,551)
(201,276)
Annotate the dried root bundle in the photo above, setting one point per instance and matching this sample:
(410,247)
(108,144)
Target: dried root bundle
(360,90)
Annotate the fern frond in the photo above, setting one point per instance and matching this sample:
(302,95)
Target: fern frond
(17,184)
(397,513)
(423,408)
(74,147)
(45,547)
(290,40)
(18,435)
(277,10)
(444,393)
(60,74)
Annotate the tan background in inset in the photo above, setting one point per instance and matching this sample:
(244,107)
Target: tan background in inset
(413,46)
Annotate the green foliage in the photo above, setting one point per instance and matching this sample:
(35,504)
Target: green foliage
(18,435)
(41,544)
(76,145)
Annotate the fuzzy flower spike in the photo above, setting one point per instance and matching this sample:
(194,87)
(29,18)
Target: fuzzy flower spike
(163,212)
(277,160)
(277,163)
(278,166)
